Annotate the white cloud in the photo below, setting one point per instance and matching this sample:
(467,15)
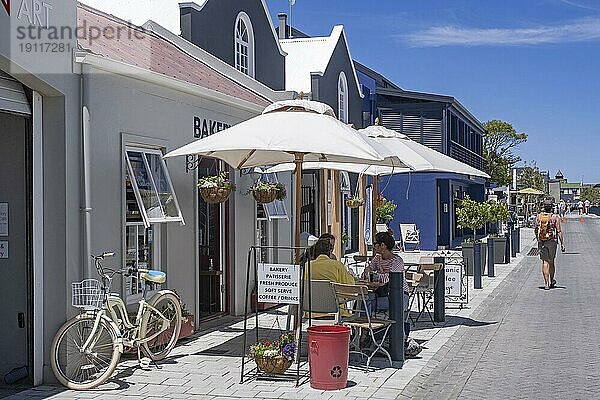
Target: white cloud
(575,31)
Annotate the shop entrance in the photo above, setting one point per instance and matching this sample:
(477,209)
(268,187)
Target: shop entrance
(212,270)
(15,246)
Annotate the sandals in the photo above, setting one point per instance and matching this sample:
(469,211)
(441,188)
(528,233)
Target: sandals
(553,284)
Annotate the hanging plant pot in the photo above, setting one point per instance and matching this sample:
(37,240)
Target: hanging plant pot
(354,202)
(264,196)
(215,195)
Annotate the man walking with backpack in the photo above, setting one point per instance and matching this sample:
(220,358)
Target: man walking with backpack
(548,232)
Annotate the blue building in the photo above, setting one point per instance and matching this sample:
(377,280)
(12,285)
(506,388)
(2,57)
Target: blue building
(428,199)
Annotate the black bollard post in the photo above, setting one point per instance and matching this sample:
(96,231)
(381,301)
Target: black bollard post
(518,240)
(507,248)
(477,265)
(491,257)
(397,314)
(439,295)
(513,244)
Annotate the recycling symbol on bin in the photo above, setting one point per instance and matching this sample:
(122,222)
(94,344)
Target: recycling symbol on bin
(336,371)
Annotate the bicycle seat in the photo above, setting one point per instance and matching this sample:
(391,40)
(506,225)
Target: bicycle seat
(154,276)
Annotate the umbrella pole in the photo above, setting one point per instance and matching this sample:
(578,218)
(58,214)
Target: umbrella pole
(375,197)
(299,157)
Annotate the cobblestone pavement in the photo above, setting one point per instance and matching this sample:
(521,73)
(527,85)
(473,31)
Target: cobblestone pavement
(531,343)
(207,367)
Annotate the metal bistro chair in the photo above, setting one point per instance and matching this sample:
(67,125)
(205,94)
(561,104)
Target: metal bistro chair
(410,235)
(359,319)
(323,304)
(425,288)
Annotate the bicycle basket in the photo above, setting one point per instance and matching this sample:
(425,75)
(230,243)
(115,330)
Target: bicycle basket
(87,294)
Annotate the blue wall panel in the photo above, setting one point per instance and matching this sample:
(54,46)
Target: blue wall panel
(419,208)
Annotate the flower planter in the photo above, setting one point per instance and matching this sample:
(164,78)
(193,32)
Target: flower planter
(467,251)
(272,365)
(215,195)
(354,202)
(264,196)
(499,250)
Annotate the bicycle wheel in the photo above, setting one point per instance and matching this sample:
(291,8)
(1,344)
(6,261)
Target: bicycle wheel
(82,370)
(160,346)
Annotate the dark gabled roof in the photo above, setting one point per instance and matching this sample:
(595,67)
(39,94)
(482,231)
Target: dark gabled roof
(380,79)
(434,98)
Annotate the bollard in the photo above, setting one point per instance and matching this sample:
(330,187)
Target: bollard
(439,295)
(477,265)
(507,248)
(397,314)
(513,246)
(491,257)
(518,240)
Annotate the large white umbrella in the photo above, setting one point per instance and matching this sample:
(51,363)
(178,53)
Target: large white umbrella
(292,131)
(416,156)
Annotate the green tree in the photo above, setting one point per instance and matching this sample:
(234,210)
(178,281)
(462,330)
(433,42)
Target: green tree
(531,177)
(471,214)
(590,193)
(498,144)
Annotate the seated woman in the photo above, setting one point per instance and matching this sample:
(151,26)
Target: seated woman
(382,264)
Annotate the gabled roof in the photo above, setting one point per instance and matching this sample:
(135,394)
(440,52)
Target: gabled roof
(306,56)
(435,98)
(151,52)
(198,5)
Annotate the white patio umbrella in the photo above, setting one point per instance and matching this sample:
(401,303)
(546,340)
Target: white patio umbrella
(416,156)
(292,131)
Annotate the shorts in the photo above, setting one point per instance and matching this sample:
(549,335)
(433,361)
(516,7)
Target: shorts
(547,249)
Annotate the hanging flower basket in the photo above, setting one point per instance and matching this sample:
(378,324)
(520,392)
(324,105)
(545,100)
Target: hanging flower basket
(266,192)
(215,195)
(354,202)
(264,195)
(273,365)
(216,188)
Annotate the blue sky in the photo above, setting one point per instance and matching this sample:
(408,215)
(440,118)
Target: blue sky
(533,63)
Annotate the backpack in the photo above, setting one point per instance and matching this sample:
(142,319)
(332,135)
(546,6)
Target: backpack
(546,227)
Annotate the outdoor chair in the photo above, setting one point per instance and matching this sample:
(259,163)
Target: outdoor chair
(360,321)
(409,234)
(323,304)
(424,288)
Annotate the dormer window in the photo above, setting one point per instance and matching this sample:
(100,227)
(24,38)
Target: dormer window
(343,98)
(244,45)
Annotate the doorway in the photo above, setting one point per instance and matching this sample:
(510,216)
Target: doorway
(16,245)
(212,287)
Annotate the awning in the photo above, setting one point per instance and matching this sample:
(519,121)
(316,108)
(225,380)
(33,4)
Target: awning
(12,96)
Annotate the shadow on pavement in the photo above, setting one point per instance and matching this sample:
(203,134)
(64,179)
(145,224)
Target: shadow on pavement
(452,321)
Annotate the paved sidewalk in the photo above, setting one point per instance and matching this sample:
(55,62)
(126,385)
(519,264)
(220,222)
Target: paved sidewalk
(208,366)
(531,343)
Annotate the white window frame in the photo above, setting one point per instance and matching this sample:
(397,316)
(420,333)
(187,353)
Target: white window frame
(239,43)
(148,220)
(343,98)
(271,208)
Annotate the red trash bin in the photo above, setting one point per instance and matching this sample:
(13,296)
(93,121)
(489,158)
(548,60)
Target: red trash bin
(328,347)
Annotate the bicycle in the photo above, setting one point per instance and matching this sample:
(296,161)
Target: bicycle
(86,349)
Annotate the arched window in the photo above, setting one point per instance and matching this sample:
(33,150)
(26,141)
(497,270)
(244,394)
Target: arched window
(244,44)
(343,98)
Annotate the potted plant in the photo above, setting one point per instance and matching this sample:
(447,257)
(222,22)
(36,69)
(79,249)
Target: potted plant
(266,192)
(385,210)
(187,322)
(274,357)
(498,213)
(472,214)
(215,188)
(354,202)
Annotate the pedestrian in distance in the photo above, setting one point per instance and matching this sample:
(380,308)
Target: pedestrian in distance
(548,232)
(587,205)
(562,210)
(580,207)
